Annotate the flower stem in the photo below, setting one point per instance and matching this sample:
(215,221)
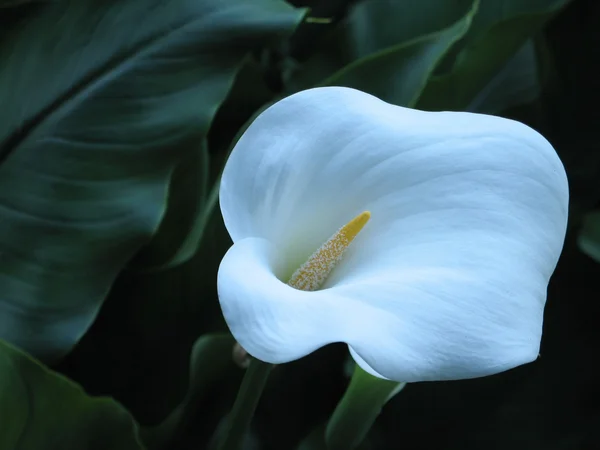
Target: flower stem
(358,410)
(245,404)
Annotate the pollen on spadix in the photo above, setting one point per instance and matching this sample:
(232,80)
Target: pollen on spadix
(313,273)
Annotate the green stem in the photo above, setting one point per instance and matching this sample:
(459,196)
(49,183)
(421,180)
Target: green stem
(245,404)
(358,410)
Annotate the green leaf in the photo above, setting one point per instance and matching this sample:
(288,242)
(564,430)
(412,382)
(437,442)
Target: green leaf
(100,101)
(211,362)
(42,410)
(354,415)
(517,83)
(499,29)
(150,317)
(398,74)
(315,440)
(588,239)
(184,218)
(191,203)
(248,96)
(358,409)
(372,27)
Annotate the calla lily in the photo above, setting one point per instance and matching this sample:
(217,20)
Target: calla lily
(446,281)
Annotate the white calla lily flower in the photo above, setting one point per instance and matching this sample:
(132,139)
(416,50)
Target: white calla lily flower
(448,278)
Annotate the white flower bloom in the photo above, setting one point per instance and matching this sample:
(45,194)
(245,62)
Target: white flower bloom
(448,278)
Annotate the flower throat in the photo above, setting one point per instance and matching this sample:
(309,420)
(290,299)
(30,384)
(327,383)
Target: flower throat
(312,274)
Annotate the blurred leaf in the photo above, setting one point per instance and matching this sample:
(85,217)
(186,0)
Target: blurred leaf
(13,15)
(309,389)
(375,25)
(499,29)
(315,440)
(101,100)
(211,361)
(191,203)
(372,27)
(588,239)
(517,83)
(197,229)
(249,92)
(358,409)
(184,218)
(398,74)
(572,105)
(150,317)
(42,410)
(11,3)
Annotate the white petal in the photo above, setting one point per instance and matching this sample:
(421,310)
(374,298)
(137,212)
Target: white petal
(273,331)
(448,280)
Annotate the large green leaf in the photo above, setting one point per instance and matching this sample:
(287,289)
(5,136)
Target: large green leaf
(100,101)
(499,29)
(191,202)
(373,27)
(398,74)
(42,410)
(186,222)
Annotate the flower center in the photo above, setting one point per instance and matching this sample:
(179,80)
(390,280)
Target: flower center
(312,274)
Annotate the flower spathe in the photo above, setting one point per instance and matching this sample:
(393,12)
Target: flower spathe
(447,280)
